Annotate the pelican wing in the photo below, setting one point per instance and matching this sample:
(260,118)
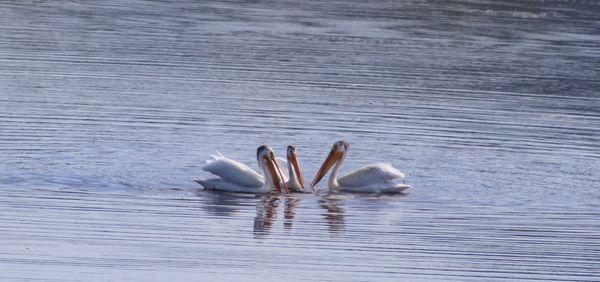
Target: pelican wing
(370,174)
(233,171)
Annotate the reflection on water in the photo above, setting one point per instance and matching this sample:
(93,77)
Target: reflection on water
(266,213)
(222,204)
(275,211)
(269,206)
(334,212)
(289,213)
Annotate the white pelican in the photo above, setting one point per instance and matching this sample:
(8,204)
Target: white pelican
(237,177)
(295,182)
(373,178)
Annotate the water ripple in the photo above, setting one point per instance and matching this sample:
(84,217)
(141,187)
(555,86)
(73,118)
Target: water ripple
(107,111)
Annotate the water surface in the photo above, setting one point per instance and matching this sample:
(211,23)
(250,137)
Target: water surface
(108,110)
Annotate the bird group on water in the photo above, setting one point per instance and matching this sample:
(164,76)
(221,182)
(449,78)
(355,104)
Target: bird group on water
(233,176)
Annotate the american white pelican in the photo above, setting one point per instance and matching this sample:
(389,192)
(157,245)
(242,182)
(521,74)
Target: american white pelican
(373,178)
(295,182)
(237,177)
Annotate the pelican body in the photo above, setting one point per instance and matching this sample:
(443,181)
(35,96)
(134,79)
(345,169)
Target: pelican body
(234,176)
(373,178)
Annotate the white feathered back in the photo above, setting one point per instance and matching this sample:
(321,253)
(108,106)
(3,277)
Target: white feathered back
(233,171)
(370,174)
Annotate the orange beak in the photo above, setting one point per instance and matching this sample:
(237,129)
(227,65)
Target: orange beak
(294,161)
(331,159)
(275,173)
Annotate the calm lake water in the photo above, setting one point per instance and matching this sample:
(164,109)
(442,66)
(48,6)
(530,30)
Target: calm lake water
(109,108)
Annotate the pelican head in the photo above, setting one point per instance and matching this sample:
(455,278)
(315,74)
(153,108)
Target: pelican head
(267,162)
(293,164)
(338,151)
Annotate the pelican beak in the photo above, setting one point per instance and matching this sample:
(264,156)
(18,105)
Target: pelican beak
(280,173)
(331,159)
(294,161)
(275,173)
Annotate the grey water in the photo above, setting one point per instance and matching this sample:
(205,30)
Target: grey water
(108,110)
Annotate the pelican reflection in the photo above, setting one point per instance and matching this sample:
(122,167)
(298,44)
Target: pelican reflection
(266,213)
(334,212)
(289,213)
(267,208)
(224,204)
